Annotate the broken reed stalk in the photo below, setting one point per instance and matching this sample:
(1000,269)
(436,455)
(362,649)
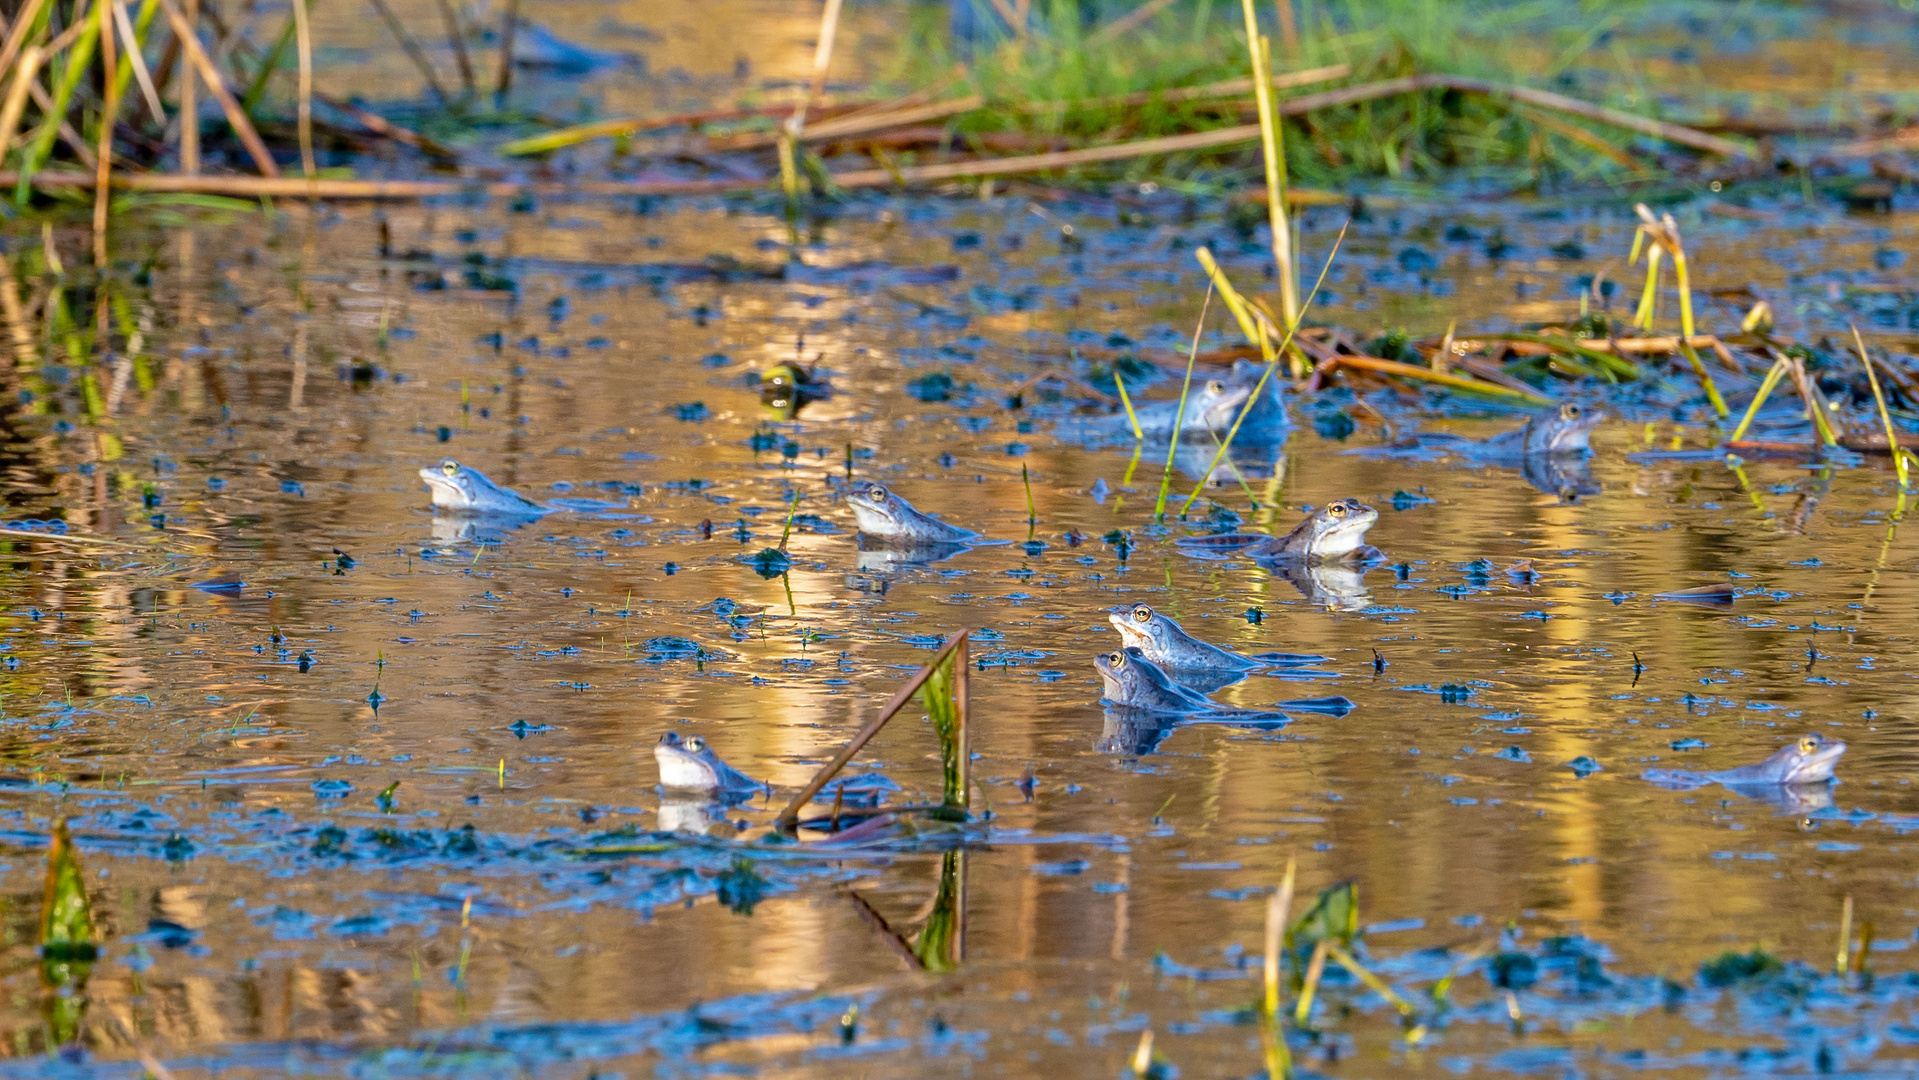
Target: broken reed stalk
(789,817)
(1273,148)
(1142,1062)
(1132,418)
(1900,465)
(303,41)
(1662,235)
(132,39)
(236,117)
(1771,381)
(1179,414)
(1272,363)
(1375,983)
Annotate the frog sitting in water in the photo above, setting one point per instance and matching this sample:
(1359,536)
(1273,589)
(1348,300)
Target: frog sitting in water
(888,519)
(1129,680)
(462,490)
(1336,531)
(1809,760)
(1565,430)
(1190,661)
(689,765)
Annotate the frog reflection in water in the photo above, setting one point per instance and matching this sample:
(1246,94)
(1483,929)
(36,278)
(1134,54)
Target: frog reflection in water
(1797,778)
(461,490)
(698,786)
(1335,532)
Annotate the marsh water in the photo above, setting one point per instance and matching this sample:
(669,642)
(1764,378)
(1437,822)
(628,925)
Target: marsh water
(268,901)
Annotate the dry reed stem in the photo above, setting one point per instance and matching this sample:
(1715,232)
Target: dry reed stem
(1315,968)
(109,112)
(1899,454)
(413,51)
(138,62)
(1766,387)
(510,25)
(23,78)
(17,36)
(1277,911)
(1271,145)
(189,99)
(456,36)
(236,116)
(303,40)
(1843,960)
(790,815)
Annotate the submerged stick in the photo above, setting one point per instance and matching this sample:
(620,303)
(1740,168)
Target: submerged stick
(789,816)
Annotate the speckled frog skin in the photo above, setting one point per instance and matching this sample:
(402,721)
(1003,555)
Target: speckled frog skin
(1167,644)
(462,490)
(1334,531)
(1808,760)
(884,516)
(1129,678)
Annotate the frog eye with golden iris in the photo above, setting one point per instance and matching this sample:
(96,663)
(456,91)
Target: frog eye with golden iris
(694,744)
(1215,387)
(1569,411)
(1809,744)
(1116,659)
(1143,613)
(1337,509)
(450,467)
(876,493)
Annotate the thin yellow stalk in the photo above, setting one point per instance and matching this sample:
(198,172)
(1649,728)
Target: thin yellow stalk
(1272,362)
(1242,313)
(23,77)
(790,136)
(102,191)
(1765,388)
(16,37)
(1374,982)
(190,103)
(303,37)
(1126,399)
(1899,453)
(1270,140)
(1172,448)
(1276,912)
(1842,961)
(1649,297)
(1315,967)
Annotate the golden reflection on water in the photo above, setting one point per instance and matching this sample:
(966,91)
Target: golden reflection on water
(168,689)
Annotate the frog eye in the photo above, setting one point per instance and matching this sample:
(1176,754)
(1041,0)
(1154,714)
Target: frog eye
(1216,387)
(1810,743)
(876,493)
(1337,508)
(1117,659)
(1569,411)
(694,744)
(450,467)
(1143,613)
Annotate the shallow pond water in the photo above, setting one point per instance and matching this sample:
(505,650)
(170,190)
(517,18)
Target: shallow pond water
(268,902)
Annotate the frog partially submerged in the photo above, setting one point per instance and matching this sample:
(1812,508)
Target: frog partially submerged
(1129,680)
(1210,406)
(1191,662)
(1334,532)
(462,490)
(1565,430)
(689,765)
(1808,760)
(888,519)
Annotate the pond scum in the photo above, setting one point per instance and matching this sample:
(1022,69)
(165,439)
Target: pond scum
(70,71)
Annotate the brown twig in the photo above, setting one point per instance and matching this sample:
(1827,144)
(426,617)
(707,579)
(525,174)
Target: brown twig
(457,37)
(236,116)
(413,51)
(16,37)
(790,815)
(303,40)
(509,25)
